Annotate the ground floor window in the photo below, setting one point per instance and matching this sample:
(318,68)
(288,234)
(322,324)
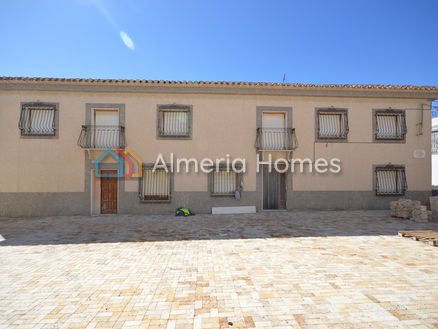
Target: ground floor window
(390,180)
(224,182)
(155,185)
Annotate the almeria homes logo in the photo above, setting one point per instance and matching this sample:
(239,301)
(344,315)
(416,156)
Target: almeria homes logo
(130,164)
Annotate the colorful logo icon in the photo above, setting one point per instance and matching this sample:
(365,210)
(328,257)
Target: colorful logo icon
(129,163)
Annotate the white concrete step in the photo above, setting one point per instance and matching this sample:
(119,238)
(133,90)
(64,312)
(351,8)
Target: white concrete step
(233,210)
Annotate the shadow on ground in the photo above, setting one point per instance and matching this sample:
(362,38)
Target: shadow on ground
(138,228)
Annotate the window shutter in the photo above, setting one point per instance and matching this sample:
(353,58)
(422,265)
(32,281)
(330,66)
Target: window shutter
(330,125)
(387,181)
(386,126)
(156,184)
(224,182)
(175,123)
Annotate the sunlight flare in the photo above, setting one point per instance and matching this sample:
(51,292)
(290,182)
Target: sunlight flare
(127,40)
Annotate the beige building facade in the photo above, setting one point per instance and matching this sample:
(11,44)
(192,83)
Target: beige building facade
(53,131)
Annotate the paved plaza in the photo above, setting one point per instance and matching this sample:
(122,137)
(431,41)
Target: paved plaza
(338,269)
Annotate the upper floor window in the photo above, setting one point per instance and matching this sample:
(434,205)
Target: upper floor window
(390,125)
(175,121)
(38,119)
(390,180)
(332,124)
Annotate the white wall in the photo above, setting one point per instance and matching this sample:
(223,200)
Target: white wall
(435,159)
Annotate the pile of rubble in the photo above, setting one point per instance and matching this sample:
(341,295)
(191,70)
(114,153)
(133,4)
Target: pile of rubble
(405,208)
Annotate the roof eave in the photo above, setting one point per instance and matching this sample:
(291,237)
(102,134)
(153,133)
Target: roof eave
(206,87)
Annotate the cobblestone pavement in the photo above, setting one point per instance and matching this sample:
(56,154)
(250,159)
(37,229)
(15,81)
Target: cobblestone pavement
(272,270)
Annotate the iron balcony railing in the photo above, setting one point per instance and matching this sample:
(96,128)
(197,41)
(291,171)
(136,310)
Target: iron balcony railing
(102,137)
(435,141)
(276,139)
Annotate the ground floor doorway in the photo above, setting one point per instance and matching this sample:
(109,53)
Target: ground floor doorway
(274,189)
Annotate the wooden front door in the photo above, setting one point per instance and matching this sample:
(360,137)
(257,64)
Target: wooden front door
(274,189)
(108,193)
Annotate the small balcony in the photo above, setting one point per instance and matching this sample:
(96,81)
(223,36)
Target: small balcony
(276,139)
(102,137)
(435,142)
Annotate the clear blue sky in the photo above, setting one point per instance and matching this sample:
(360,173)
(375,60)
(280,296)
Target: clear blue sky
(351,41)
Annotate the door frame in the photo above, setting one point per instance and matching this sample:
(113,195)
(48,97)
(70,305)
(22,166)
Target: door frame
(111,180)
(288,110)
(96,180)
(286,177)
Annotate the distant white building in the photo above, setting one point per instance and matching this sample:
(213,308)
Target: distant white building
(435,157)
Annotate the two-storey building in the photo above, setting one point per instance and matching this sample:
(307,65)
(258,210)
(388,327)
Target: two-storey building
(62,141)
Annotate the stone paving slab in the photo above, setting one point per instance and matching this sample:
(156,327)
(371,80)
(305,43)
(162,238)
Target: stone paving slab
(344,269)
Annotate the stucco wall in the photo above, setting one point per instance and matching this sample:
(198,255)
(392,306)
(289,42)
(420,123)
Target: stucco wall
(41,164)
(222,124)
(435,159)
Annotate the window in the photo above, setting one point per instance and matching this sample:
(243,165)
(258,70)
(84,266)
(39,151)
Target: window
(37,119)
(174,121)
(390,180)
(390,125)
(332,124)
(155,184)
(224,182)
(435,140)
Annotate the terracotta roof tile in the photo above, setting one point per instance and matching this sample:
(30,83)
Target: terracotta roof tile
(222,83)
